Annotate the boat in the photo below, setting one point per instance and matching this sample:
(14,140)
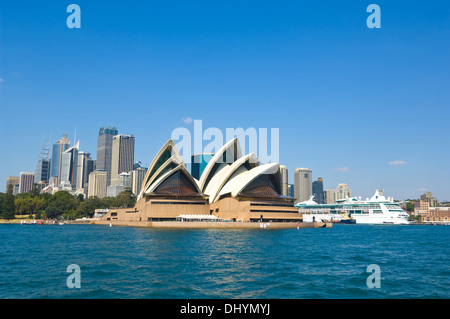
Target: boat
(376,210)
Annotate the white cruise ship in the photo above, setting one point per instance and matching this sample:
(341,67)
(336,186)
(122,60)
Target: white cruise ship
(376,210)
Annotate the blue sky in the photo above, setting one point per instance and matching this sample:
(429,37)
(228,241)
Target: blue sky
(348,100)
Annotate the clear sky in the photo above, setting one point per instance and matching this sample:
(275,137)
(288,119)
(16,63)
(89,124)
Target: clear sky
(349,101)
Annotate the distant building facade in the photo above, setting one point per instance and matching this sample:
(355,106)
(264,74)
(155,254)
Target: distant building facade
(330,195)
(291,190)
(342,192)
(85,166)
(97,184)
(14,181)
(26,181)
(57,151)
(317,191)
(137,178)
(104,149)
(284,180)
(428,196)
(122,156)
(69,167)
(302,184)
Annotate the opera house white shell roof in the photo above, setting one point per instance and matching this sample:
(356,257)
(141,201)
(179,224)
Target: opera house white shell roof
(228,173)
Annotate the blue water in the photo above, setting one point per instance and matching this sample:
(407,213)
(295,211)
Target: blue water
(127,262)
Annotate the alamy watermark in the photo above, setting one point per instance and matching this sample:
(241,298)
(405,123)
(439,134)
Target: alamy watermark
(74,280)
(374,280)
(210,140)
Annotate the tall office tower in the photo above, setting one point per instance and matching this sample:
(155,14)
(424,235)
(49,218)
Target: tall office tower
(342,192)
(69,167)
(12,180)
(198,163)
(26,181)
(122,156)
(97,184)
(302,184)
(330,196)
(125,180)
(137,177)
(58,149)
(317,190)
(85,167)
(284,180)
(42,173)
(104,150)
(291,190)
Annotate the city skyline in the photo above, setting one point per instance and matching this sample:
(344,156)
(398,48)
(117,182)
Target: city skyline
(354,105)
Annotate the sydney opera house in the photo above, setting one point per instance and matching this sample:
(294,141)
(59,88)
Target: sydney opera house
(232,188)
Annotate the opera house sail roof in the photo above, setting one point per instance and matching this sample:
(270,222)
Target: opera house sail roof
(228,173)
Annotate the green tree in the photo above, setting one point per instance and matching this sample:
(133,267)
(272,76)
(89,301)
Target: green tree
(410,206)
(125,199)
(9,207)
(60,203)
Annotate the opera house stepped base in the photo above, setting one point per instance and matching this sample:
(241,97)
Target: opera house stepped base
(234,191)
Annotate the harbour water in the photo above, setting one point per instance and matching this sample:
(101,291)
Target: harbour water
(129,262)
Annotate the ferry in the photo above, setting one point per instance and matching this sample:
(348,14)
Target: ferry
(376,210)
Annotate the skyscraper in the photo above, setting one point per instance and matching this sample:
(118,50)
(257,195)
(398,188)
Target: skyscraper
(97,184)
(317,190)
(69,167)
(42,172)
(342,192)
(122,156)
(291,190)
(104,150)
(58,149)
(330,196)
(26,181)
(14,181)
(198,163)
(284,180)
(137,177)
(302,184)
(85,167)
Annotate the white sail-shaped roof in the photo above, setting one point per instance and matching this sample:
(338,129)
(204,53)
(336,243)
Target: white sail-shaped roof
(238,183)
(227,154)
(219,180)
(166,159)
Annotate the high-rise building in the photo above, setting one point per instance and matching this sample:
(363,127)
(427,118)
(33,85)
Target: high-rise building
(104,149)
(84,168)
(317,190)
(284,180)
(122,156)
(342,192)
(97,184)
(42,171)
(14,181)
(58,149)
(291,190)
(302,184)
(125,180)
(137,177)
(330,196)
(198,163)
(69,167)
(26,181)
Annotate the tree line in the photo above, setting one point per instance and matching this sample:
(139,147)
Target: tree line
(61,205)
